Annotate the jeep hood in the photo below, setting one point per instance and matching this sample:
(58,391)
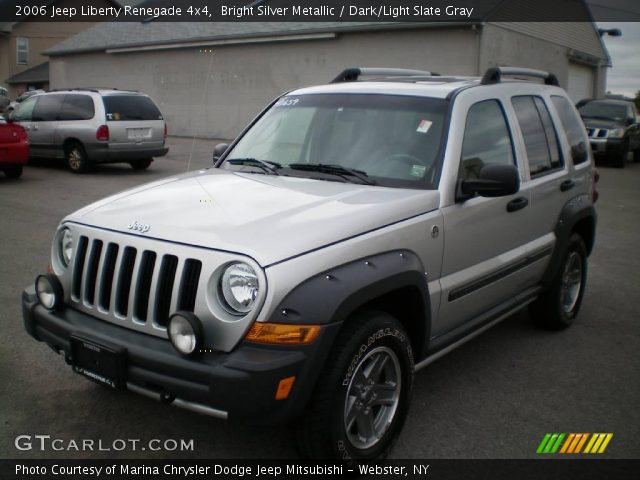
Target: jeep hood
(268,218)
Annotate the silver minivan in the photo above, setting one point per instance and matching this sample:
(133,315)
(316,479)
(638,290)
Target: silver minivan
(88,126)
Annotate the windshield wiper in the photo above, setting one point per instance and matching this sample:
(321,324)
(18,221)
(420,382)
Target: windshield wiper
(332,169)
(270,167)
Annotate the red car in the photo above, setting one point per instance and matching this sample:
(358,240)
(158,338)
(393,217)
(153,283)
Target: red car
(14,148)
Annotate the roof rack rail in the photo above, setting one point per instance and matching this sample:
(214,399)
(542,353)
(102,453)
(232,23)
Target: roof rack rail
(495,74)
(352,74)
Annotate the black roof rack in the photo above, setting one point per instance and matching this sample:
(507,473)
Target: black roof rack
(352,74)
(495,74)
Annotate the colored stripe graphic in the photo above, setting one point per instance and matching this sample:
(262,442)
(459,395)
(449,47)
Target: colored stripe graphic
(573,443)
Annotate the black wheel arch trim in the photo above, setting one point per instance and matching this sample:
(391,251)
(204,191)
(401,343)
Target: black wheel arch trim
(574,211)
(333,295)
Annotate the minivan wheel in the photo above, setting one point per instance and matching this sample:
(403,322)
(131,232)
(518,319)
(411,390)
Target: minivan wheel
(141,164)
(362,396)
(77,158)
(558,306)
(13,172)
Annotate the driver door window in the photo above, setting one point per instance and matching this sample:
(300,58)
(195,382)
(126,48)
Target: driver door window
(487,140)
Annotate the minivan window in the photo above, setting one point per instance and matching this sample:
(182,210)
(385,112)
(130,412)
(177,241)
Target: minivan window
(24,110)
(48,108)
(77,107)
(130,107)
(573,127)
(487,139)
(540,139)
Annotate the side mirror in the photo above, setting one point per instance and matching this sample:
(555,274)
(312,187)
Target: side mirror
(493,181)
(219,150)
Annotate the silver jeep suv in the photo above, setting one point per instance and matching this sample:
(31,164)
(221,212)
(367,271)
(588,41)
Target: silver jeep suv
(88,126)
(352,234)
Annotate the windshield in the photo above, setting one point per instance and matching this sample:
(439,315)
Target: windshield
(604,110)
(385,140)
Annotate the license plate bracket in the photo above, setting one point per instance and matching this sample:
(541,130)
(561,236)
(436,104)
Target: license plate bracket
(101,363)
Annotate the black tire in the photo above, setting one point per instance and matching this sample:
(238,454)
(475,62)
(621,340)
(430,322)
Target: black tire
(141,164)
(620,159)
(76,158)
(636,155)
(13,172)
(558,306)
(365,339)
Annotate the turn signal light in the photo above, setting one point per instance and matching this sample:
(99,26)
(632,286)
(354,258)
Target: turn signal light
(284,388)
(282,334)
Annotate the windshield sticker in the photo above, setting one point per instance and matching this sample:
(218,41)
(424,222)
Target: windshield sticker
(418,171)
(287,102)
(424,126)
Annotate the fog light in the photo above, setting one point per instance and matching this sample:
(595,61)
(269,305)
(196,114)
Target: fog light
(49,291)
(185,332)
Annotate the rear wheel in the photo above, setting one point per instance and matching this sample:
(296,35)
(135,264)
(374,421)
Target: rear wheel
(558,306)
(362,396)
(76,157)
(13,172)
(141,164)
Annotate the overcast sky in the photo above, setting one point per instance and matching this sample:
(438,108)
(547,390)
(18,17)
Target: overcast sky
(624,76)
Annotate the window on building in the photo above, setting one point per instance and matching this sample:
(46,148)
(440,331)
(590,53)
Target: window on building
(487,140)
(22,51)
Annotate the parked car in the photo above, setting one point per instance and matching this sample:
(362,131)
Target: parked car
(14,148)
(21,98)
(353,234)
(89,126)
(4,99)
(613,128)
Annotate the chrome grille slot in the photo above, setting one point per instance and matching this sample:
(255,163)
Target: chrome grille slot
(189,284)
(106,278)
(166,280)
(125,275)
(78,267)
(603,133)
(91,272)
(143,285)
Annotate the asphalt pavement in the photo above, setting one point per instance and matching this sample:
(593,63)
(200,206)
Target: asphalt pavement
(495,397)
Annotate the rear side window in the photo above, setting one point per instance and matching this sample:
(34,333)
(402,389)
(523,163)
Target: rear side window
(573,128)
(47,108)
(130,107)
(77,107)
(540,139)
(487,139)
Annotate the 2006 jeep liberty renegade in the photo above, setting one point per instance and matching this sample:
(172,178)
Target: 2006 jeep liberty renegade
(352,234)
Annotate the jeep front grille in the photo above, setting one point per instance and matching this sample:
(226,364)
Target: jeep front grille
(132,284)
(136,282)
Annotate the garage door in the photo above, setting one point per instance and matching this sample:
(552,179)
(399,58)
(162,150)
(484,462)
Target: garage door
(581,79)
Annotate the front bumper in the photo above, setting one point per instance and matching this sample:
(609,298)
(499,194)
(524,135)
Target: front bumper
(237,385)
(607,146)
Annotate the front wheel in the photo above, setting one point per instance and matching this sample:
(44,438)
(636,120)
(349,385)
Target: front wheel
(620,159)
(362,396)
(558,306)
(636,155)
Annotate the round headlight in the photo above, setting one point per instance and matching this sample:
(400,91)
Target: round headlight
(185,332)
(66,246)
(239,285)
(49,291)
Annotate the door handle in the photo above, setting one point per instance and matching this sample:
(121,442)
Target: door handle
(517,204)
(567,185)
(35,127)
